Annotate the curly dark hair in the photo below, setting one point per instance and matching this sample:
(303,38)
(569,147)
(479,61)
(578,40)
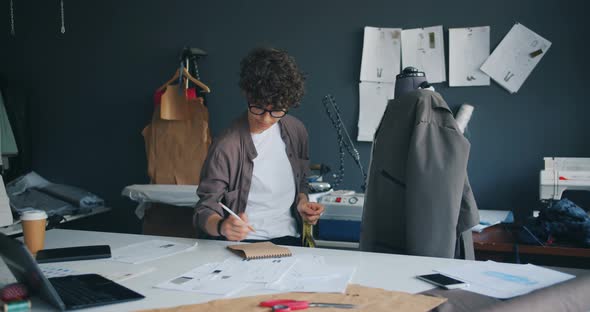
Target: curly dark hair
(271,77)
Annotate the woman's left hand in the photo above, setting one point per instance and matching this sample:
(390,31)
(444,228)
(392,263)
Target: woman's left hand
(310,212)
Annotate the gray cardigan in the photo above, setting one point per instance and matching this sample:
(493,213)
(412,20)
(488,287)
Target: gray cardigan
(227,172)
(419,200)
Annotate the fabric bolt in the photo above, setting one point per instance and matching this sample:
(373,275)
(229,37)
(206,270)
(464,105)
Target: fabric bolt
(35,199)
(73,195)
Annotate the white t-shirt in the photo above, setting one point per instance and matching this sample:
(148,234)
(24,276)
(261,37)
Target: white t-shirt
(272,190)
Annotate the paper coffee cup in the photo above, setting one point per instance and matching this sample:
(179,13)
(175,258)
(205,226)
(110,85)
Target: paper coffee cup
(34,222)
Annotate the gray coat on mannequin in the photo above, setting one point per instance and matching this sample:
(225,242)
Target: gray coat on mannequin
(419,200)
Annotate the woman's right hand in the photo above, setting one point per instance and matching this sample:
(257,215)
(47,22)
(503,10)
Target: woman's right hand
(234,229)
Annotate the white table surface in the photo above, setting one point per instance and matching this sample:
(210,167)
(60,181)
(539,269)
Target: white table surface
(392,272)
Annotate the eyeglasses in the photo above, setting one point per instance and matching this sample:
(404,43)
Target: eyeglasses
(275,113)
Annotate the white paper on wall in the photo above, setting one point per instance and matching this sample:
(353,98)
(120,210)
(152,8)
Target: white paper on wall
(468,50)
(424,48)
(381,54)
(515,57)
(373,98)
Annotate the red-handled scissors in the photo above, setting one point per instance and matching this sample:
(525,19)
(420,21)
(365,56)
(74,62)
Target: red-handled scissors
(286,305)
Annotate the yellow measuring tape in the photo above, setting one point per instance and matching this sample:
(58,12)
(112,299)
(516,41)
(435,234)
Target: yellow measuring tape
(308,240)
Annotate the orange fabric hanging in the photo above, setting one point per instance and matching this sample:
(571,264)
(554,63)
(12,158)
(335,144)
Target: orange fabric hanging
(176,149)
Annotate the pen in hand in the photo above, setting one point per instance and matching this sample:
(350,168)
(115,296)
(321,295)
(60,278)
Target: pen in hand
(235,215)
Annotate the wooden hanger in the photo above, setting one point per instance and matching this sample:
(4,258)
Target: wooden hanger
(186,74)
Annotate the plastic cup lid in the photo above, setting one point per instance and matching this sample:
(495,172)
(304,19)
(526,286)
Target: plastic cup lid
(33,215)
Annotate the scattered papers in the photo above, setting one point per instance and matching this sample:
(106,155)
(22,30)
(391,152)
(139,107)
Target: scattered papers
(468,50)
(255,271)
(489,218)
(148,251)
(515,57)
(123,275)
(306,273)
(230,276)
(204,279)
(479,228)
(116,271)
(312,275)
(504,280)
(424,48)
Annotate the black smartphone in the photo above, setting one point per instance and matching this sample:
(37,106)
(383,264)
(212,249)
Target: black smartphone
(442,281)
(73,253)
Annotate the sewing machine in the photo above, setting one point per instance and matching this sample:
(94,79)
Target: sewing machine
(561,174)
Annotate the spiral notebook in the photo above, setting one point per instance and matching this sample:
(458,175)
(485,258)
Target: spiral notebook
(260,250)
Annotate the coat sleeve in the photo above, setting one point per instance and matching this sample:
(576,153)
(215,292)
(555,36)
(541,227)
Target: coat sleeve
(469,216)
(214,184)
(435,174)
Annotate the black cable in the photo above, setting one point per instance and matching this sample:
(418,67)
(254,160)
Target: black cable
(333,112)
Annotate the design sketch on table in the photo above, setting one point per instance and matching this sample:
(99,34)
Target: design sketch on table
(511,278)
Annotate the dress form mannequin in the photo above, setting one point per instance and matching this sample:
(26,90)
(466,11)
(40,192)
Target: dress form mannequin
(418,199)
(409,80)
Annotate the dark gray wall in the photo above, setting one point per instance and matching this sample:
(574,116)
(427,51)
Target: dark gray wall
(91,88)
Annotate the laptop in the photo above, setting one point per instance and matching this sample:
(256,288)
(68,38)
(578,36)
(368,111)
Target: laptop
(64,292)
